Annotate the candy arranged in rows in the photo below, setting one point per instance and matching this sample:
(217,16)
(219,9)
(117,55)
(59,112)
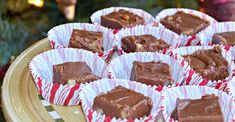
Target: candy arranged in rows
(154,60)
(199,65)
(122,100)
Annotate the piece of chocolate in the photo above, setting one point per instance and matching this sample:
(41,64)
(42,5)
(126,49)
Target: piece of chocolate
(206,109)
(209,64)
(123,103)
(151,73)
(143,43)
(121,19)
(72,73)
(226,38)
(87,40)
(183,23)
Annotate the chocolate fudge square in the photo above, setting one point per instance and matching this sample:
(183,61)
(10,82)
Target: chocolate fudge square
(225,38)
(72,73)
(87,40)
(123,103)
(183,23)
(143,43)
(210,64)
(206,109)
(121,19)
(151,73)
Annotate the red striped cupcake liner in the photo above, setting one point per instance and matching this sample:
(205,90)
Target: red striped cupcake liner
(206,35)
(91,90)
(196,92)
(42,72)
(121,67)
(59,37)
(96,17)
(160,33)
(194,78)
(185,40)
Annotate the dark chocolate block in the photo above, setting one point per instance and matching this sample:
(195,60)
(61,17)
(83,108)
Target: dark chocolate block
(123,103)
(87,40)
(120,19)
(72,73)
(206,109)
(183,23)
(151,73)
(143,43)
(227,38)
(209,63)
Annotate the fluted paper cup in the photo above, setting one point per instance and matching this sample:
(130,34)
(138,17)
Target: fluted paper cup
(231,88)
(96,17)
(206,35)
(196,79)
(196,92)
(41,68)
(121,67)
(59,37)
(91,90)
(185,40)
(160,33)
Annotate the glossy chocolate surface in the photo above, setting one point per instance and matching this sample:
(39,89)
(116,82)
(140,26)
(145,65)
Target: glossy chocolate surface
(72,73)
(121,102)
(120,19)
(227,38)
(143,43)
(151,73)
(87,40)
(183,23)
(206,109)
(209,63)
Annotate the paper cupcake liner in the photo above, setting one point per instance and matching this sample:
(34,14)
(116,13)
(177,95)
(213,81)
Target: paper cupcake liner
(186,40)
(206,35)
(96,17)
(42,72)
(196,92)
(91,90)
(59,37)
(231,88)
(160,33)
(121,67)
(194,78)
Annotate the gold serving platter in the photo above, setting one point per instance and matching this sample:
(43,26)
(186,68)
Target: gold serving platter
(20,98)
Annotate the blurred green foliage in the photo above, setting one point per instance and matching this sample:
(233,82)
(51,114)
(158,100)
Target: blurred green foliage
(21,24)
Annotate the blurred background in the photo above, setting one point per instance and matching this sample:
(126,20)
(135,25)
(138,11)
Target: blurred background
(24,22)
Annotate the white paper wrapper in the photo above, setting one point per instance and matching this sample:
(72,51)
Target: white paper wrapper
(121,67)
(42,72)
(196,92)
(59,36)
(160,33)
(194,78)
(91,90)
(231,88)
(96,17)
(206,35)
(186,40)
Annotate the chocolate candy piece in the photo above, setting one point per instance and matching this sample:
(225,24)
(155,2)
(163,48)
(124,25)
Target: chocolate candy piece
(72,73)
(120,19)
(87,40)
(206,109)
(183,23)
(143,43)
(224,38)
(209,63)
(123,103)
(151,73)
